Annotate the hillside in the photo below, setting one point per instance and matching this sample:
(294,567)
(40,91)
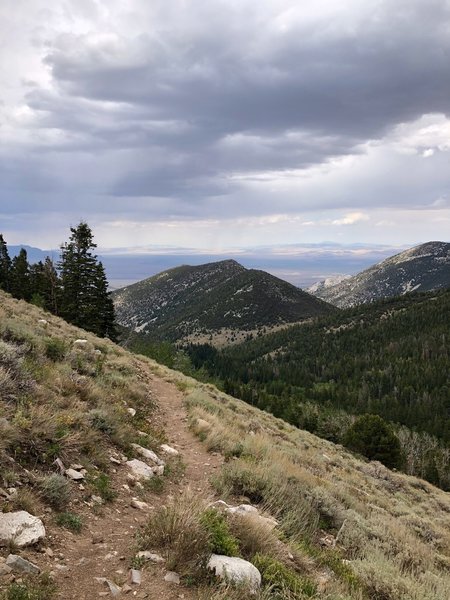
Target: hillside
(315,520)
(218,300)
(390,358)
(422,268)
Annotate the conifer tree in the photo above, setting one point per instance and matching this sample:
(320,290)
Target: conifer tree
(45,285)
(5,265)
(85,300)
(20,276)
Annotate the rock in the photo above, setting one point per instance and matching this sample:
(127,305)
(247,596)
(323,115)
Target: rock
(158,470)
(80,342)
(97,538)
(42,321)
(242,509)
(140,469)
(135,577)
(126,589)
(115,461)
(59,463)
(203,425)
(5,570)
(74,475)
(172,577)
(96,499)
(20,565)
(148,454)
(169,450)
(151,556)
(113,588)
(135,503)
(131,411)
(20,528)
(236,570)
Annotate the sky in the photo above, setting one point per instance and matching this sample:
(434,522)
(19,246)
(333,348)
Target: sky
(218,124)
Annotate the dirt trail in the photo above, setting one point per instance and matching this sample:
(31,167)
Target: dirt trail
(77,561)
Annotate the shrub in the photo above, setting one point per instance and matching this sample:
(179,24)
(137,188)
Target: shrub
(102,483)
(55,490)
(280,578)
(55,349)
(254,536)
(221,541)
(40,589)
(176,530)
(372,437)
(69,521)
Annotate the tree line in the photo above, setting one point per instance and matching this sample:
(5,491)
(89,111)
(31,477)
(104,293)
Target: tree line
(75,288)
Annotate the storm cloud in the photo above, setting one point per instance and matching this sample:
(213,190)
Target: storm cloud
(276,117)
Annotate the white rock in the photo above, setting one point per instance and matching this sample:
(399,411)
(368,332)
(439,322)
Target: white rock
(80,342)
(20,565)
(135,577)
(74,475)
(242,509)
(203,425)
(158,470)
(236,570)
(115,461)
(169,450)
(131,411)
(172,577)
(140,469)
(135,503)
(148,454)
(21,528)
(151,556)
(43,321)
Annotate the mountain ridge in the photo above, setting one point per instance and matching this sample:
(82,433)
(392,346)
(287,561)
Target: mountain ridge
(423,268)
(203,300)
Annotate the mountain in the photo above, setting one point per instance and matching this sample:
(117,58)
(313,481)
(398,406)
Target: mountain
(422,268)
(79,415)
(221,299)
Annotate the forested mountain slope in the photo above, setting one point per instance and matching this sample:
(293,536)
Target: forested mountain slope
(422,268)
(210,298)
(391,358)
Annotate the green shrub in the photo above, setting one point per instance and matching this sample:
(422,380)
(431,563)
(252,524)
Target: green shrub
(220,538)
(280,578)
(69,521)
(102,483)
(55,490)
(55,349)
(42,588)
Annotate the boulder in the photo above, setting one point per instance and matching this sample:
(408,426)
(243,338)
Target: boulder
(20,565)
(172,577)
(140,469)
(235,570)
(148,454)
(169,450)
(20,528)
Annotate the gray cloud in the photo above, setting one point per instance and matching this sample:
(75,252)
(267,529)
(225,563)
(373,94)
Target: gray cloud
(178,108)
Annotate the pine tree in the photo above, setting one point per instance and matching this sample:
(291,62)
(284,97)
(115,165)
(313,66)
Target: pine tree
(45,285)
(85,300)
(5,265)
(20,276)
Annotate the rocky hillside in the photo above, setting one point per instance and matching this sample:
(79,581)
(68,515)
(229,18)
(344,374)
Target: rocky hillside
(119,477)
(422,268)
(189,302)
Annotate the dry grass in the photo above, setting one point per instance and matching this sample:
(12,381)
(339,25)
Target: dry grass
(394,530)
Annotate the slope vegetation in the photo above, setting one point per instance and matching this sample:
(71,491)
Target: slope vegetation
(212,299)
(321,524)
(422,268)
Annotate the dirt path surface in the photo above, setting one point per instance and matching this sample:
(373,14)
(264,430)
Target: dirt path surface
(106,546)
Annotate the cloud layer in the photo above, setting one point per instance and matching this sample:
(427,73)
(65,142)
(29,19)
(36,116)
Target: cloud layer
(271,120)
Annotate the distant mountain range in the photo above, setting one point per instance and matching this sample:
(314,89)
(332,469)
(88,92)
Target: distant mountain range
(422,268)
(212,300)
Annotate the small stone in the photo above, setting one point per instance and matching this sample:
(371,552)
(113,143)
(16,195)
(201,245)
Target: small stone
(115,461)
(135,577)
(169,450)
(152,557)
(48,552)
(158,470)
(96,499)
(74,475)
(97,538)
(135,503)
(140,469)
(126,589)
(80,342)
(113,588)
(20,565)
(148,454)
(5,570)
(131,411)
(77,467)
(172,577)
